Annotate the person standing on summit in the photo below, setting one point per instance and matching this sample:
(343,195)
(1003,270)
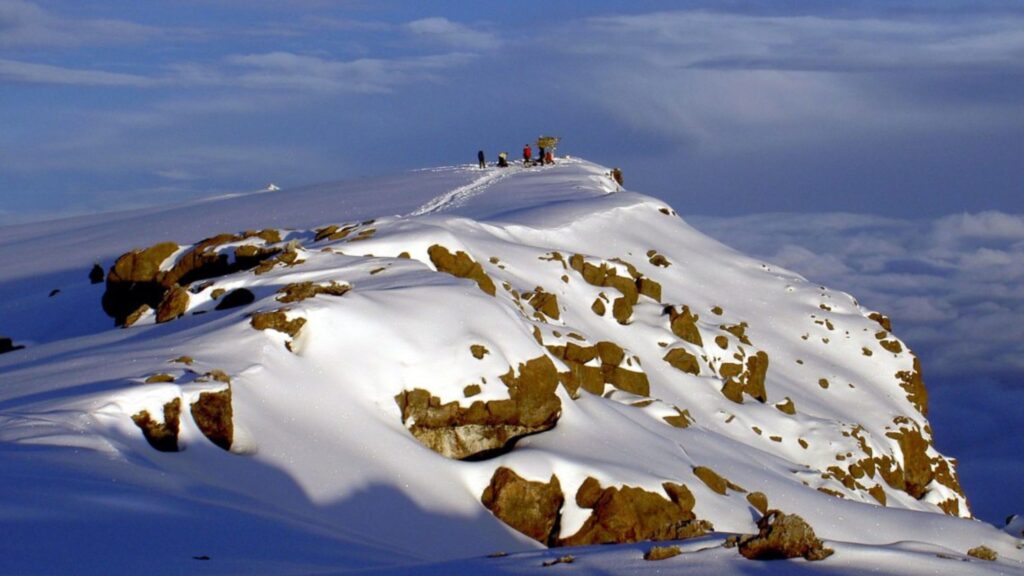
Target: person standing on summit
(527,155)
(480,158)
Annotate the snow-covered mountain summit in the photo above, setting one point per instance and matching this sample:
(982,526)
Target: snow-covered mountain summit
(431,367)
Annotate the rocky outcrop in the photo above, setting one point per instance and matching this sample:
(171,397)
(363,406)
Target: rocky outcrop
(747,378)
(460,265)
(683,324)
(983,553)
(139,278)
(532,508)
(212,414)
(662,553)
(715,481)
(483,428)
(235,299)
(631,514)
(161,435)
(8,345)
(173,305)
(299,291)
(913,384)
(683,361)
(783,536)
(583,373)
(631,287)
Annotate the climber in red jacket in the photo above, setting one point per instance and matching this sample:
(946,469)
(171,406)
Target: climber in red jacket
(527,155)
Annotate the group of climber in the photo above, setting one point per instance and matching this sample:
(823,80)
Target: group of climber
(545,156)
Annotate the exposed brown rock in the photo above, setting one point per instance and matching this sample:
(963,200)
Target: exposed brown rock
(878,493)
(593,378)
(187,360)
(598,307)
(457,432)
(891,346)
(787,407)
(478,351)
(722,342)
(212,414)
(684,325)
(298,291)
(631,514)
(714,481)
(159,378)
(737,330)
(917,466)
(783,536)
(135,279)
(532,508)
(882,320)
(913,384)
(236,298)
(983,553)
(277,320)
(217,375)
(682,360)
(567,559)
(471,390)
(460,265)
(545,303)
(162,436)
(759,501)
(662,552)
(681,419)
(173,305)
(622,310)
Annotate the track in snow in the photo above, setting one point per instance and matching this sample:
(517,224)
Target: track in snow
(459,195)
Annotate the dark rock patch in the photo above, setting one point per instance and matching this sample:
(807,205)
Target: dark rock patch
(662,552)
(631,514)
(460,265)
(8,345)
(485,427)
(299,291)
(236,298)
(173,305)
(212,414)
(532,508)
(714,481)
(683,361)
(162,436)
(783,536)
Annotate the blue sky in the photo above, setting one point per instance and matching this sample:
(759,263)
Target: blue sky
(721,108)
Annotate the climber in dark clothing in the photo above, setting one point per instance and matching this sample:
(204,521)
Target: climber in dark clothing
(480,158)
(503,160)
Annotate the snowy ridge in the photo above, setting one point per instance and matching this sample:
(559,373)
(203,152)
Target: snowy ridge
(674,355)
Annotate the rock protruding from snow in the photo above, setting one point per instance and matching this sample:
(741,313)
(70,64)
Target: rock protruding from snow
(484,427)
(532,508)
(783,536)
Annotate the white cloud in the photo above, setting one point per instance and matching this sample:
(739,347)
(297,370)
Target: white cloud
(27,72)
(727,83)
(25,24)
(958,304)
(453,34)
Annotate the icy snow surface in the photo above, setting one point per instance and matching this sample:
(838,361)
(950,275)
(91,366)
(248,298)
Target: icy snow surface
(323,475)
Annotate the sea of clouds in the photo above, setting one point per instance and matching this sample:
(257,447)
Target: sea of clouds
(954,287)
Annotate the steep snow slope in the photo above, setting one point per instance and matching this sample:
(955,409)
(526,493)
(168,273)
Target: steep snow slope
(535,320)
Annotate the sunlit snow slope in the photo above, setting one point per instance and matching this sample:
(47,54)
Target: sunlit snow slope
(337,388)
